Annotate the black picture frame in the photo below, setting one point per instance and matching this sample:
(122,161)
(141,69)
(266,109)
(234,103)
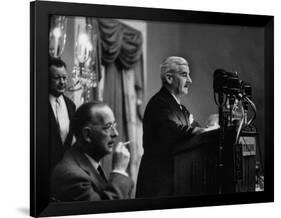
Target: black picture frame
(39,27)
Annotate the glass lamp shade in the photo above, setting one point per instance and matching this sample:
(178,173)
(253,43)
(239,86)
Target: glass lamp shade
(57,37)
(83,74)
(84,47)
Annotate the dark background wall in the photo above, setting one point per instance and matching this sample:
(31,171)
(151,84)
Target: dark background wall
(208,47)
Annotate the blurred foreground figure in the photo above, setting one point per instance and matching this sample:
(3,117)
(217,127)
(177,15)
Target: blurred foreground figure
(79,176)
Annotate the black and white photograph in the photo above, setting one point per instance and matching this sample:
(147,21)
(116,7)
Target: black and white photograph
(136,86)
(147,110)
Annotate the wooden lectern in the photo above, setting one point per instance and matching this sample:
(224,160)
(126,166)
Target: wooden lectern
(197,170)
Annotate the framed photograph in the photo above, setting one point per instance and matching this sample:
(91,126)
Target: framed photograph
(189,96)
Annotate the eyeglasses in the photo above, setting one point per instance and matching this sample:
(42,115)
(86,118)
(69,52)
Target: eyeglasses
(108,126)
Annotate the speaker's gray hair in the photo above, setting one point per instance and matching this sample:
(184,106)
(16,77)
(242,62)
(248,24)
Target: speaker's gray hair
(171,65)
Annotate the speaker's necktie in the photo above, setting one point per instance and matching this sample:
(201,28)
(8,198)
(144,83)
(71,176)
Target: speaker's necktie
(185,114)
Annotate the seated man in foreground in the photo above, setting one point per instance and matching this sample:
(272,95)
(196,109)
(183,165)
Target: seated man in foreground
(79,177)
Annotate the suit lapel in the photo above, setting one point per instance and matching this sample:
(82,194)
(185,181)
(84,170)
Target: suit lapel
(186,114)
(175,106)
(70,110)
(51,113)
(85,164)
(54,125)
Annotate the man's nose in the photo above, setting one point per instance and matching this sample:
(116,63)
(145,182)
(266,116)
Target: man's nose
(114,132)
(62,80)
(189,80)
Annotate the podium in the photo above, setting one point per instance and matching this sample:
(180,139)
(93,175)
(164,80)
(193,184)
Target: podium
(245,161)
(197,169)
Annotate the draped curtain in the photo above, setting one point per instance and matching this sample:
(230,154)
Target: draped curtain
(121,55)
(120,43)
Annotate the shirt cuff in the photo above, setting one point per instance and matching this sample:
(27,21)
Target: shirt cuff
(120,172)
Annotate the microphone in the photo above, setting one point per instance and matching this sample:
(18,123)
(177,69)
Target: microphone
(219,79)
(226,82)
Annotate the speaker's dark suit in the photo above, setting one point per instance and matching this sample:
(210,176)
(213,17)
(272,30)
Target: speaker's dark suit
(75,179)
(165,125)
(56,147)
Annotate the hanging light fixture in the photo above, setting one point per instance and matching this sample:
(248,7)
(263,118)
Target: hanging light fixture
(83,73)
(57,36)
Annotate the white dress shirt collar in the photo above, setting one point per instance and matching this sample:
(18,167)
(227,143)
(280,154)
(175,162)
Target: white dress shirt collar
(53,99)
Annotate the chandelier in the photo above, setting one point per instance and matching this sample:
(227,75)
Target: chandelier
(57,36)
(83,73)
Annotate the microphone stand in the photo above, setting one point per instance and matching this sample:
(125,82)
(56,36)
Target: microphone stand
(221,140)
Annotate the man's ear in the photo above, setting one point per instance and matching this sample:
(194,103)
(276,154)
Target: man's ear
(169,78)
(86,134)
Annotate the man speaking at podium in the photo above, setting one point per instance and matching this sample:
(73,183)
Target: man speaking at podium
(166,124)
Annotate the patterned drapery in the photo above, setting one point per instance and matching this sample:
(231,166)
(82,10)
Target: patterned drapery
(119,43)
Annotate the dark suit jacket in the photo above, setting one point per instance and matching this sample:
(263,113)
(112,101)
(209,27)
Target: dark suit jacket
(56,148)
(75,179)
(165,126)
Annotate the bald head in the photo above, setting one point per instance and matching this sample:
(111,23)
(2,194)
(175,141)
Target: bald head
(100,112)
(95,129)
(90,112)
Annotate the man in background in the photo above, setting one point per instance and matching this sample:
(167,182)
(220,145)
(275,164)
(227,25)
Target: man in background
(79,176)
(166,124)
(61,110)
